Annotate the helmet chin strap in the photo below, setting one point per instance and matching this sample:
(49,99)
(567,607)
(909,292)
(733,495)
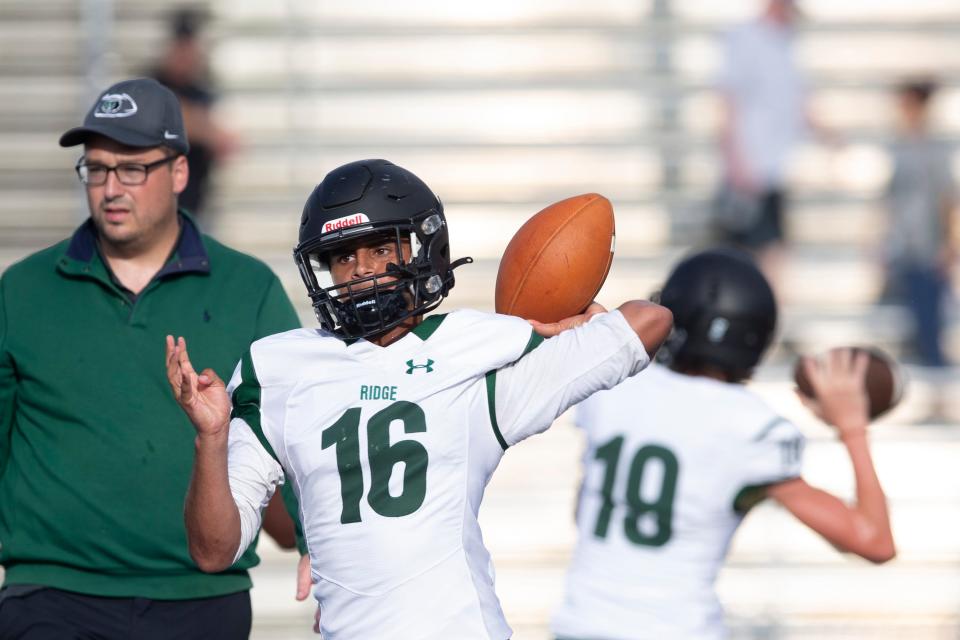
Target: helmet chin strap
(365,313)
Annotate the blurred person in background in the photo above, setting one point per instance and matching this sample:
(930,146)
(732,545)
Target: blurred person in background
(95,455)
(677,456)
(184,68)
(764,102)
(921,201)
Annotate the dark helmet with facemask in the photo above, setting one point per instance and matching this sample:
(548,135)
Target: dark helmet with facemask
(375,201)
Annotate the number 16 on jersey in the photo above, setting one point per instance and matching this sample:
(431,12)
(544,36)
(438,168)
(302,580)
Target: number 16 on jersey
(382,457)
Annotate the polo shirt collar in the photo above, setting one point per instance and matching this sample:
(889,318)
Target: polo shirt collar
(189,256)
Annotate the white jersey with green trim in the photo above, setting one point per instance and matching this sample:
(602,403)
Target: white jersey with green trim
(666,458)
(389,450)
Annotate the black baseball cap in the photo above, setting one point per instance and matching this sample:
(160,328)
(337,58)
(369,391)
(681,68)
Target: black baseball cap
(137,113)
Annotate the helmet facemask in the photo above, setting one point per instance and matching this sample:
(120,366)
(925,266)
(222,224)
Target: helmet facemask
(374,304)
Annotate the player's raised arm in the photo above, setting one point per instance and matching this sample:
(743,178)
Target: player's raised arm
(587,353)
(210,513)
(651,322)
(841,401)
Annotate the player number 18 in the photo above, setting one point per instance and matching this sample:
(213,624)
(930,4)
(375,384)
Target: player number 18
(659,509)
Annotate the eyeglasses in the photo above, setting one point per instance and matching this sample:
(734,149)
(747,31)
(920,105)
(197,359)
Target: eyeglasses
(128,173)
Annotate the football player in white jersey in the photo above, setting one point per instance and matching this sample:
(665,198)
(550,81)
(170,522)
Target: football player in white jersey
(388,424)
(675,457)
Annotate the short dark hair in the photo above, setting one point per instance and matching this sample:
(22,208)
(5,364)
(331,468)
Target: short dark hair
(186,23)
(920,89)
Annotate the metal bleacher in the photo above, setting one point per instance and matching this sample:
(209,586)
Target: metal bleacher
(504,107)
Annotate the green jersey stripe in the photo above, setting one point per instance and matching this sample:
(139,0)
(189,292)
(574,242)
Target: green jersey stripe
(535,340)
(491,379)
(426,328)
(246,405)
(751,495)
(767,428)
(246,402)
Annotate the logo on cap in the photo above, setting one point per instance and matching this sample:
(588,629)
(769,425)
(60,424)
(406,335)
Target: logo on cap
(344,222)
(115,105)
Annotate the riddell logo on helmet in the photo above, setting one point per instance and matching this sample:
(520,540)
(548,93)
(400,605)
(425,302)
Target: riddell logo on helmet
(344,222)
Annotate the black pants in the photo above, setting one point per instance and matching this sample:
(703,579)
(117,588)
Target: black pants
(42,613)
(767,228)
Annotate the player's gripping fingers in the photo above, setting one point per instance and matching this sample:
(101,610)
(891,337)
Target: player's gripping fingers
(550,329)
(812,369)
(593,309)
(839,363)
(847,370)
(855,405)
(844,372)
(861,360)
(840,389)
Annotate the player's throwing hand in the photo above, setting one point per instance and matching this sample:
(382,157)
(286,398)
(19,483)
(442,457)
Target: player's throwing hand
(550,329)
(839,388)
(203,397)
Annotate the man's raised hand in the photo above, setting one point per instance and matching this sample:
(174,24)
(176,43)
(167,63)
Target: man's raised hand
(203,397)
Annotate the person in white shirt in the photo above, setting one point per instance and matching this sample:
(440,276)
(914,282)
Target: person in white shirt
(764,94)
(388,424)
(764,99)
(677,456)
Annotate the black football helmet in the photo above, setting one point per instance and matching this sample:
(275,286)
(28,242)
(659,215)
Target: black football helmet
(373,200)
(724,313)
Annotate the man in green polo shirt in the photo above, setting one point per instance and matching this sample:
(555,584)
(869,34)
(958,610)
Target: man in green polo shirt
(95,454)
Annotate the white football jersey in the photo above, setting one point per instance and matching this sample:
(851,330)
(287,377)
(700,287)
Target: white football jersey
(667,455)
(389,450)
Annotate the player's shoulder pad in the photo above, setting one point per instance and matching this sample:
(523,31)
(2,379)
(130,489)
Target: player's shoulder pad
(489,318)
(776,429)
(492,338)
(488,324)
(753,420)
(277,357)
(291,336)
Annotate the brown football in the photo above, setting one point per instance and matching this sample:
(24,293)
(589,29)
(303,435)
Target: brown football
(558,260)
(884,381)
